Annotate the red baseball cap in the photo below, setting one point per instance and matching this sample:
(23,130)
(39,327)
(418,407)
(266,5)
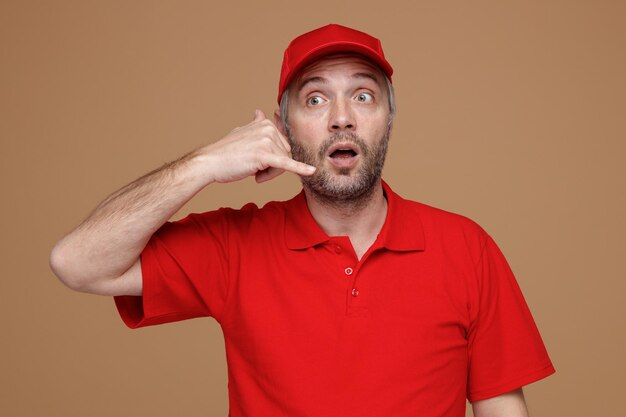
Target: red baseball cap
(329,39)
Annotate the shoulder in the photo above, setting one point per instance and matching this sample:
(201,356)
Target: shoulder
(236,218)
(444,233)
(437,220)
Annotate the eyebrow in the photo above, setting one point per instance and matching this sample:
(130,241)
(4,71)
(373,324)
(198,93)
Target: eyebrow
(366,75)
(323,80)
(310,80)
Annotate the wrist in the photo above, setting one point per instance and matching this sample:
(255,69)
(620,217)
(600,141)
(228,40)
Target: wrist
(201,165)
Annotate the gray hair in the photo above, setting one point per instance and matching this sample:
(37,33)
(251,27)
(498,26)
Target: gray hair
(284,104)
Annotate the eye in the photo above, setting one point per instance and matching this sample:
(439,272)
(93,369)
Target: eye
(364,97)
(314,101)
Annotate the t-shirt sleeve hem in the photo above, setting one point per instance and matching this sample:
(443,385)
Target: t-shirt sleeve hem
(131,310)
(512,384)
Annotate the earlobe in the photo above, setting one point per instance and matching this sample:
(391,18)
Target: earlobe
(278,121)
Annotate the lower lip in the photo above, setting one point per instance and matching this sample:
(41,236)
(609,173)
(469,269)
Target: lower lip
(344,162)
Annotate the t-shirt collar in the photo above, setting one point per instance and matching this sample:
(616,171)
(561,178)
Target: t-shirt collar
(402,230)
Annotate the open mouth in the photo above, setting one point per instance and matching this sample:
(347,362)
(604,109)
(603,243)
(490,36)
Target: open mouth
(343,153)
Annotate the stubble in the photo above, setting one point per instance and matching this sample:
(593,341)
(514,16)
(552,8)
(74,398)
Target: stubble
(342,188)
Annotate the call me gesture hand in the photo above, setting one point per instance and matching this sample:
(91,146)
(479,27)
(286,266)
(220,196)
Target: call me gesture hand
(258,149)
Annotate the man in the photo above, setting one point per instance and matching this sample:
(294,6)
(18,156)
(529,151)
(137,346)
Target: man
(346,300)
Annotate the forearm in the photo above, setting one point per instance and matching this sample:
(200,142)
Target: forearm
(109,241)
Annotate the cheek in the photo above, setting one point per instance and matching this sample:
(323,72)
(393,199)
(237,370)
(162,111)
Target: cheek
(307,121)
(375,124)
(308,128)
(374,113)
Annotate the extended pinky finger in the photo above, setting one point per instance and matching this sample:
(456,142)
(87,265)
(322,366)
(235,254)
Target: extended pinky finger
(291,165)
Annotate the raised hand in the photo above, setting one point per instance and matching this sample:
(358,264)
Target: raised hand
(257,148)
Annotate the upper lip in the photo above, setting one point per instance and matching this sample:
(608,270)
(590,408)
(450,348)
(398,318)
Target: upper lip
(343,146)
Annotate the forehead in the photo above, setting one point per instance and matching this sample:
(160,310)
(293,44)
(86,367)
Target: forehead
(333,65)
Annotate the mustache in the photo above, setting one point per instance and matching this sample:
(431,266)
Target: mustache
(343,137)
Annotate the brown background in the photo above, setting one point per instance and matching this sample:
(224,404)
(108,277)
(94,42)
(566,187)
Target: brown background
(511,113)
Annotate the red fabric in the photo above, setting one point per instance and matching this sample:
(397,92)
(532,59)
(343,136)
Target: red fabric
(437,315)
(327,40)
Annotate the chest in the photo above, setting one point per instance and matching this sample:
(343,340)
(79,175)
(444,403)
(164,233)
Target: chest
(391,326)
(324,294)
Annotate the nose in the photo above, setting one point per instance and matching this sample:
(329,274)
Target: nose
(341,117)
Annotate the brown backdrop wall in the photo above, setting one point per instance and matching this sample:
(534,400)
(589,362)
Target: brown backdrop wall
(511,113)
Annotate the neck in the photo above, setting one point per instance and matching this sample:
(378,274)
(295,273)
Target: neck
(361,219)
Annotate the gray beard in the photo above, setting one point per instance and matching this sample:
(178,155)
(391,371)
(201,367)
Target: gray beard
(341,190)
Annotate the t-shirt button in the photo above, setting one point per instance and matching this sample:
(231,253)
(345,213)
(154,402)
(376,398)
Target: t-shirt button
(337,249)
(348,271)
(355,292)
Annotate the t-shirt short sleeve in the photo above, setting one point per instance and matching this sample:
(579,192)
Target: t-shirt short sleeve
(506,351)
(184,272)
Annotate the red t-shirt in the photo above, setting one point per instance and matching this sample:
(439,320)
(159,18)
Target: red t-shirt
(431,315)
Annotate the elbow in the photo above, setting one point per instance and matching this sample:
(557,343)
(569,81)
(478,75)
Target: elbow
(62,265)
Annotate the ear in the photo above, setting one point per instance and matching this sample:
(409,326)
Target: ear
(279,123)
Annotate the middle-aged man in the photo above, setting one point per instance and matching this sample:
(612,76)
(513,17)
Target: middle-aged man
(346,300)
